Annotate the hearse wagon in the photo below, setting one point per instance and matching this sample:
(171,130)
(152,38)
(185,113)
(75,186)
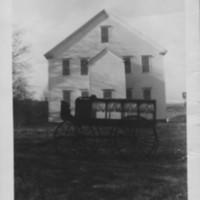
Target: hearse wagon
(121,126)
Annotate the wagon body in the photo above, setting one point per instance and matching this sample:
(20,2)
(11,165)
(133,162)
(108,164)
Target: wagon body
(110,111)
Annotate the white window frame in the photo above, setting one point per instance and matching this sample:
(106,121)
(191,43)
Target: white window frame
(105,38)
(65,68)
(149,89)
(128,69)
(82,66)
(108,90)
(144,70)
(86,91)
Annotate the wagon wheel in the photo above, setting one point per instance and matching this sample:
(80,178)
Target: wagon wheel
(143,141)
(103,138)
(119,140)
(89,142)
(135,138)
(67,139)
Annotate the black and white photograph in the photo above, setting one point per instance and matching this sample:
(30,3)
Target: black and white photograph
(99,97)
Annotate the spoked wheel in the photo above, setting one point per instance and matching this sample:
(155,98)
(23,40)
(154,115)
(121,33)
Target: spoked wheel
(103,135)
(119,140)
(138,140)
(67,139)
(89,142)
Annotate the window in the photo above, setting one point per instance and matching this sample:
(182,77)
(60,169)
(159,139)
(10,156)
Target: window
(127,64)
(147,93)
(104,34)
(84,66)
(66,67)
(84,93)
(145,64)
(67,96)
(107,94)
(129,93)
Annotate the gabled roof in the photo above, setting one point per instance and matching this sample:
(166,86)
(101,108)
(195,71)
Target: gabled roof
(101,54)
(101,16)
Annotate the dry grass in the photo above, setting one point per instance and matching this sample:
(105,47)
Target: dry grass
(40,174)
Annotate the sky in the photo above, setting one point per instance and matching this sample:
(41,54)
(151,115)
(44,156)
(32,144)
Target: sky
(47,22)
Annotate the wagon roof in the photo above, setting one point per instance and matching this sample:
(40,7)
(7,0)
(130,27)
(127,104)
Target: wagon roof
(97,19)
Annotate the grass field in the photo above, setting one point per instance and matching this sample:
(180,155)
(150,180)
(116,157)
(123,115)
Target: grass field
(40,174)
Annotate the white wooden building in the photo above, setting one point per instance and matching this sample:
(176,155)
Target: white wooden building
(108,58)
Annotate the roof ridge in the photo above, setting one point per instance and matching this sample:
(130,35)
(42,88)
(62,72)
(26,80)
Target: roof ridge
(76,31)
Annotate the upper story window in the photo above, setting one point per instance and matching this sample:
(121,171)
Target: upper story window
(129,93)
(105,34)
(84,66)
(127,65)
(85,93)
(107,94)
(66,67)
(147,93)
(67,96)
(146,65)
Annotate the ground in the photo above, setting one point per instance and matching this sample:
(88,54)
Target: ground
(41,174)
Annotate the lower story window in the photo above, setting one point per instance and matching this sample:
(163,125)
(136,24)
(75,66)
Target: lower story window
(67,96)
(147,93)
(107,94)
(129,93)
(84,93)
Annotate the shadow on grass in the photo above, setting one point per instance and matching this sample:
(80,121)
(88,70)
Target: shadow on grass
(41,174)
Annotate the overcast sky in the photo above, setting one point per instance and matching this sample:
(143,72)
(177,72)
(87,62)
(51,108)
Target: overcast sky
(47,22)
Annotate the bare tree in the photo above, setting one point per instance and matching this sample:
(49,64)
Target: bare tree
(20,65)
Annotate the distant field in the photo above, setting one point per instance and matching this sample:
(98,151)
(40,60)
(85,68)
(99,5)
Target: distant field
(176,111)
(40,174)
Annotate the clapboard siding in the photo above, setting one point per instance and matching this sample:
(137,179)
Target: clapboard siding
(123,41)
